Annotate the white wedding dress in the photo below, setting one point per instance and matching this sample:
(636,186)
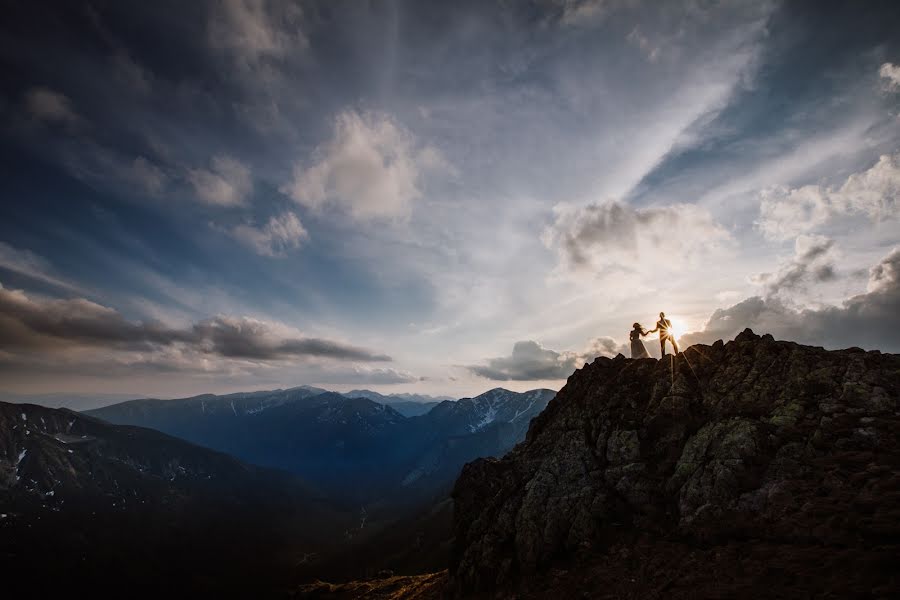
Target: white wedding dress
(638,350)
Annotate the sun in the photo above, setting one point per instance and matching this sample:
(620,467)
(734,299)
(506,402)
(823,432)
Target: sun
(679,327)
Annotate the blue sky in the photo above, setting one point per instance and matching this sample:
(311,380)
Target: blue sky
(437,197)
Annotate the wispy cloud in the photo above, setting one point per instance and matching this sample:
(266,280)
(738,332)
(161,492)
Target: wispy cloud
(65,325)
(34,267)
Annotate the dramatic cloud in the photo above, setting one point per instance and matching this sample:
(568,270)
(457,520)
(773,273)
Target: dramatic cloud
(614,234)
(281,234)
(51,325)
(227,183)
(870,320)
(813,262)
(891,74)
(50,106)
(352,113)
(370,168)
(786,212)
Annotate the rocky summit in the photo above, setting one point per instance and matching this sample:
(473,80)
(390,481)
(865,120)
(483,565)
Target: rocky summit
(756,468)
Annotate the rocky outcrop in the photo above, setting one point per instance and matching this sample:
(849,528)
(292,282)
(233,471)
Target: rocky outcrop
(729,467)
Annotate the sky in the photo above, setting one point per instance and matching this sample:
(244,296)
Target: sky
(435,197)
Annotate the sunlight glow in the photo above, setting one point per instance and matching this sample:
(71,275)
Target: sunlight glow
(679,327)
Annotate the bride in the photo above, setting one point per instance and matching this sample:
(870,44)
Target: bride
(638,350)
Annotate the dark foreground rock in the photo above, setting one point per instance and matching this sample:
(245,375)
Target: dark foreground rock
(754,468)
(389,587)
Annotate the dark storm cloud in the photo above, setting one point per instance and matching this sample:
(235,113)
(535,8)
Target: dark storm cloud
(869,320)
(30,323)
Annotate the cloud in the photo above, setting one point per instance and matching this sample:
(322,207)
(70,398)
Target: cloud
(254,29)
(130,73)
(646,46)
(244,337)
(528,361)
(50,106)
(891,74)
(787,212)
(604,346)
(581,12)
(34,267)
(813,262)
(364,374)
(147,175)
(281,234)
(56,325)
(371,168)
(227,183)
(614,234)
(870,320)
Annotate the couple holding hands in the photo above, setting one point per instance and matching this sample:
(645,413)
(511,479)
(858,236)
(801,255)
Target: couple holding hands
(663,326)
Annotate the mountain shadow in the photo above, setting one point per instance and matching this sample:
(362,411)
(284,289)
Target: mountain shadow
(353,448)
(94,509)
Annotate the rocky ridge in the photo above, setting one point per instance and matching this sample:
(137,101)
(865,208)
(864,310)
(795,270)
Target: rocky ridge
(732,470)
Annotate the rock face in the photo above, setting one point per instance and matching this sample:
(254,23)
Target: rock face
(729,468)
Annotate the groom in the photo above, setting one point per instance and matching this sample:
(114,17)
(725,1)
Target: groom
(663,326)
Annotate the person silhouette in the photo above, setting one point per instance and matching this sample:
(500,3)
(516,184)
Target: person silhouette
(638,350)
(664,326)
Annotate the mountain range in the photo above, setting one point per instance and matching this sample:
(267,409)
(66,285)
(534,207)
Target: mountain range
(408,405)
(87,505)
(237,495)
(352,447)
